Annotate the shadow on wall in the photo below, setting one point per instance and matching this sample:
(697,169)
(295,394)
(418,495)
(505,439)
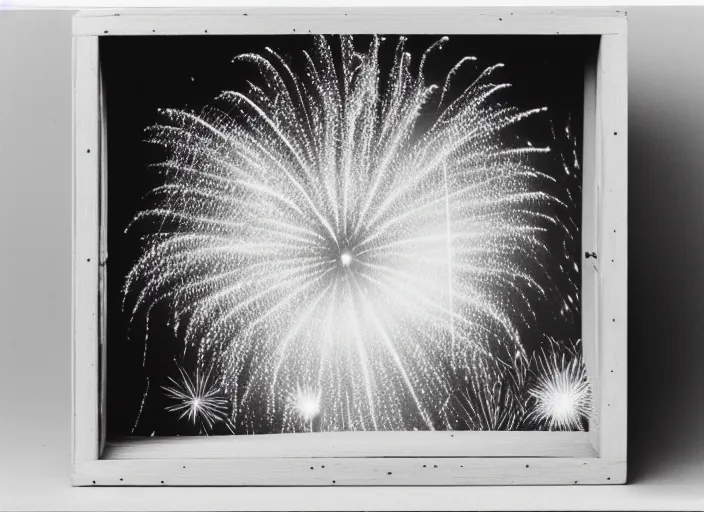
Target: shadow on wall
(666,242)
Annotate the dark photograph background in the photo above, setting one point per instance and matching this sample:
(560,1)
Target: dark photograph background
(142,75)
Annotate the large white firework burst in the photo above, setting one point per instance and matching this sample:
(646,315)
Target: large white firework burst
(312,233)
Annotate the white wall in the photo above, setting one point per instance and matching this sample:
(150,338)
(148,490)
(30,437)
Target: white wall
(666,447)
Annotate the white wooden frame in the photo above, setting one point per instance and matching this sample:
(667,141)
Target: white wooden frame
(368,458)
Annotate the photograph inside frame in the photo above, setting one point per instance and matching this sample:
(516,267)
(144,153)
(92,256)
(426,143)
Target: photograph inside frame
(315,233)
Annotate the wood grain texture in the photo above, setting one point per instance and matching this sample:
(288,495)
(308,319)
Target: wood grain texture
(590,266)
(612,79)
(102,262)
(357,444)
(85,250)
(350,471)
(358,21)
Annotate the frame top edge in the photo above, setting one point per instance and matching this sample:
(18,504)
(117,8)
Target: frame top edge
(588,12)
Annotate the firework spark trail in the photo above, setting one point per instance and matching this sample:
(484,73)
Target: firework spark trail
(567,141)
(141,406)
(307,227)
(492,398)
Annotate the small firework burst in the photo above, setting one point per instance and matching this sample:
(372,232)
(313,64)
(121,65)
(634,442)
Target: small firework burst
(562,393)
(196,399)
(306,402)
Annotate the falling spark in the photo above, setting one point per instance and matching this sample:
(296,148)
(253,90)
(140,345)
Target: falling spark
(566,147)
(562,393)
(196,399)
(312,230)
(141,406)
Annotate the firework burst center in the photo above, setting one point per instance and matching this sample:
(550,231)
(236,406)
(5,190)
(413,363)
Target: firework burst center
(346,258)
